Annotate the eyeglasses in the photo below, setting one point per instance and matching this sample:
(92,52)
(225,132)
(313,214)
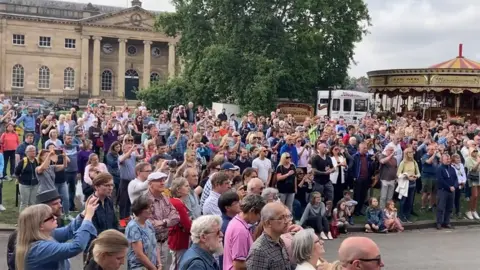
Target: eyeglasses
(288,157)
(217,233)
(52,217)
(377,259)
(129,140)
(284,218)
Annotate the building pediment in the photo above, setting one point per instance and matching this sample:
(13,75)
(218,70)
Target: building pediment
(130,18)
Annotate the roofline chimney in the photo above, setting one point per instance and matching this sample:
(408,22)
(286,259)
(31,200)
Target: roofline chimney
(460,50)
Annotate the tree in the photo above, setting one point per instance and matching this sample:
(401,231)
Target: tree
(164,94)
(252,52)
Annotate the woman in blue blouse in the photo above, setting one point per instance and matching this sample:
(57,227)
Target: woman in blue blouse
(142,252)
(41,246)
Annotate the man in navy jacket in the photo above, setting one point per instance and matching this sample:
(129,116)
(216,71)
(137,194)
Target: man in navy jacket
(447,182)
(361,168)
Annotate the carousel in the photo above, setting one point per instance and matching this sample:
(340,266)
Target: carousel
(449,89)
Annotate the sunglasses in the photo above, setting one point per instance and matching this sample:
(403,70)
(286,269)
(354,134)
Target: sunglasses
(52,217)
(288,157)
(129,140)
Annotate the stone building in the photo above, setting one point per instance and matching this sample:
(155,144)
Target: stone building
(55,49)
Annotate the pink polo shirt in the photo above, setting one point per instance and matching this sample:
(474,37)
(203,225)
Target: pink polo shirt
(238,241)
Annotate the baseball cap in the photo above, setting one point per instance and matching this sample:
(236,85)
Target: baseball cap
(156,176)
(47,196)
(227,166)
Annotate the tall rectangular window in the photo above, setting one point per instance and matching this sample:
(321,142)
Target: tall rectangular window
(347,105)
(18,39)
(70,43)
(336,105)
(45,42)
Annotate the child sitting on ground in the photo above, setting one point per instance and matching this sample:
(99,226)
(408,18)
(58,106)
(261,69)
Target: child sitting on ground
(341,215)
(392,222)
(375,222)
(350,204)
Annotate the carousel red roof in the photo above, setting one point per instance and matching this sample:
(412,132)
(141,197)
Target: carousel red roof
(458,62)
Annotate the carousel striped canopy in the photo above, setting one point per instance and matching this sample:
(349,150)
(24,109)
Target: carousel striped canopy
(458,62)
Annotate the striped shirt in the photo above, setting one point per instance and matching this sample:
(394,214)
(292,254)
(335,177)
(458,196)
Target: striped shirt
(211,204)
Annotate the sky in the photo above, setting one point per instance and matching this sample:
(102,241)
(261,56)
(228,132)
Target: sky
(404,33)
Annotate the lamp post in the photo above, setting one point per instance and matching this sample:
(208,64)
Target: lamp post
(329,109)
(424,105)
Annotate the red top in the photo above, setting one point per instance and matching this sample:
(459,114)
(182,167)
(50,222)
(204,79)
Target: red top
(9,141)
(179,235)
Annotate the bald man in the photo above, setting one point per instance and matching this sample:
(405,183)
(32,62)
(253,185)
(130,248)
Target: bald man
(255,186)
(360,253)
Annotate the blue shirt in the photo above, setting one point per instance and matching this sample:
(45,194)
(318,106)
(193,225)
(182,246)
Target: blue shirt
(429,170)
(21,149)
(48,254)
(196,258)
(180,148)
(135,233)
(28,122)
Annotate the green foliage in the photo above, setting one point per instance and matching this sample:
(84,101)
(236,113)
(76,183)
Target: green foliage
(163,94)
(252,52)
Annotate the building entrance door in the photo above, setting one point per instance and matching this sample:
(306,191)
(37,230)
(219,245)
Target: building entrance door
(131,84)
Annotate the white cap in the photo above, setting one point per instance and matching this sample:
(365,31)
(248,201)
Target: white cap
(156,176)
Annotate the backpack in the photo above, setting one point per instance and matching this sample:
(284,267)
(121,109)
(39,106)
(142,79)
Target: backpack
(25,164)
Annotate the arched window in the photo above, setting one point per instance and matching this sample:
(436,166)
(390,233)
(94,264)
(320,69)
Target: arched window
(154,77)
(18,76)
(69,79)
(44,78)
(131,74)
(107,80)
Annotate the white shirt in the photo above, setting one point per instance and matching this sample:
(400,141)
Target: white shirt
(263,167)
(305,266)
(88,120)
(398,151)
(137,188)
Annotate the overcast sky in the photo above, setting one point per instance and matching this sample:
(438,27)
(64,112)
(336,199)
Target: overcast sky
(404,33)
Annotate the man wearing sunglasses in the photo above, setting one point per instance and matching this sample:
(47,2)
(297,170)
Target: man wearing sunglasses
(360,253)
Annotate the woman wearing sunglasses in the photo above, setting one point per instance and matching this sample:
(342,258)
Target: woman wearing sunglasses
(43,246)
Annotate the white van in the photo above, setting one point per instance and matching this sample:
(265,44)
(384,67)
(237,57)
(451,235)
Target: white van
(351,105)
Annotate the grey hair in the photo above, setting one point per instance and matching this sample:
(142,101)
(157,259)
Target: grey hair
(252,183)
(202,225)
(252,203)
(30,148)
(268,212)
(187,171)
(177,183)
(302,245)
(268,191)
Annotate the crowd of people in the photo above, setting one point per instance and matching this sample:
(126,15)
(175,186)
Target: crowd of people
(210,191)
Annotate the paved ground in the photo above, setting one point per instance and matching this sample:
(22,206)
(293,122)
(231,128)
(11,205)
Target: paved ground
(419,250)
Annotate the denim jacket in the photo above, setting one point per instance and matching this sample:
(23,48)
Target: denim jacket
(196,258)
(374,216)
(54,254)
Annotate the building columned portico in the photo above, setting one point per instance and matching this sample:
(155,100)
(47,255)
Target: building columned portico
(60,49)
